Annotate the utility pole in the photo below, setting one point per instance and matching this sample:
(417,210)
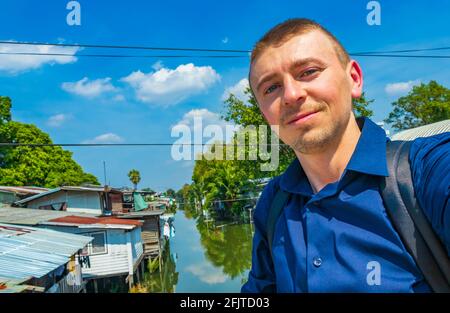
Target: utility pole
(104,170)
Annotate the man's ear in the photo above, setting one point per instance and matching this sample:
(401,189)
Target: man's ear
(356,79)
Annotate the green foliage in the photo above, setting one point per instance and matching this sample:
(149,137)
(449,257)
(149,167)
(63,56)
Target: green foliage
(153,265)
(243,114)
(46,166)
(248,114)
(424,104)
(156,281)
(5,110)
(228,248)
(170,193)
(360,106)
(135,177)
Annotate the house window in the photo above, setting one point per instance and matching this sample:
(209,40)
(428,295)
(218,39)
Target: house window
(60,206)
(97,245)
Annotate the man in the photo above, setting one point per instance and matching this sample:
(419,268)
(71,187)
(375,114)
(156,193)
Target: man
(333,234)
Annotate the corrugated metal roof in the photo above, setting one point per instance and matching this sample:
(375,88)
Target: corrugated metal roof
(68,188)
(32,217)
(423,131)
(24,190)
(95,222)
(27,252)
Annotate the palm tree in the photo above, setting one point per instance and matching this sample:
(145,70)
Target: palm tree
(135,177)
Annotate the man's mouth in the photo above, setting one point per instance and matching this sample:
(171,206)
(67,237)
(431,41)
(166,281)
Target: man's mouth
(302,117)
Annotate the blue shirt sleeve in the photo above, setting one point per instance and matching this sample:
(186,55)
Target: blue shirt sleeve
(261,278)
(430,166)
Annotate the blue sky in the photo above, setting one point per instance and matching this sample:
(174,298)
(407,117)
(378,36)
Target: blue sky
(80,99)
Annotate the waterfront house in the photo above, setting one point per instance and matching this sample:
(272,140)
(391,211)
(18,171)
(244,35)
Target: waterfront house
(115,253)
(116,250)
(40,260)
(92,200)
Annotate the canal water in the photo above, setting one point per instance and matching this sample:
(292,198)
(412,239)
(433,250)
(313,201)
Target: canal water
(203,257)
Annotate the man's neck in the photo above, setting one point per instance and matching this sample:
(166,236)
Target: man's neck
(328,165)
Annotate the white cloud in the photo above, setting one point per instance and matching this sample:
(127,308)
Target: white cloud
(105,138)
(207,273)
(401,87)
(119,98)
(20,63)
(225,40)
(237,90)
(57,120)
(89,89)
(207,118)
(166,86)
(157,65)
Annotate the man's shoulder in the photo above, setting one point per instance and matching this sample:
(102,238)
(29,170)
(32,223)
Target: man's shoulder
(425,149)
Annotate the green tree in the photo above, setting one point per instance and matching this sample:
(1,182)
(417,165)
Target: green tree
(424,104)
(248,114)
(135,177)
(361,106)
(5,110)
(46,166)
(170,193)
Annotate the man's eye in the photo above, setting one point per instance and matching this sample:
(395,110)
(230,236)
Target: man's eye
(270,89)
(308,72)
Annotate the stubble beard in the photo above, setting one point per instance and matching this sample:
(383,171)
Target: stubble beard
(315,139)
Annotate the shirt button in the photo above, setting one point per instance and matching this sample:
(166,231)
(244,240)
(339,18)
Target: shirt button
(317,261)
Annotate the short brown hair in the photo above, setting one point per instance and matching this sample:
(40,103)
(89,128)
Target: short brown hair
(284,31)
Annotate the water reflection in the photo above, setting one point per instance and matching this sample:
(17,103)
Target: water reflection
(156,281)
(228,247)
(203,257)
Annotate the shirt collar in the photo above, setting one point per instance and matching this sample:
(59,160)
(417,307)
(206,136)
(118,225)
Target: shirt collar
(369,157)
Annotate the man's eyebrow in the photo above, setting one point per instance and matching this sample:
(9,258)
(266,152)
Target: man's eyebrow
(302,62)
(265,79)
(296,64)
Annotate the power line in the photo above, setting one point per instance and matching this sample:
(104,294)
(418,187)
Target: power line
(102,46)
(404,51)
(120,55)
(403,56)
(120,47)
(208,56)
(221,200)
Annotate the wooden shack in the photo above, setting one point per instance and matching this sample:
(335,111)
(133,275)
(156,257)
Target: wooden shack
(151,231)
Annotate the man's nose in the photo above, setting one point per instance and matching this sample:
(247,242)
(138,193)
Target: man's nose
(293,92)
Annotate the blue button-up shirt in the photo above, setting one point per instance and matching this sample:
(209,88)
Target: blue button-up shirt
(341,239)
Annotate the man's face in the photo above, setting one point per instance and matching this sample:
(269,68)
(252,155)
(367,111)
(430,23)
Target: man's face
(302,87)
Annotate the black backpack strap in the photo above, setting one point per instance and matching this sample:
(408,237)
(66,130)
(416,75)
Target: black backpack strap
(408,219)
(277,206)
